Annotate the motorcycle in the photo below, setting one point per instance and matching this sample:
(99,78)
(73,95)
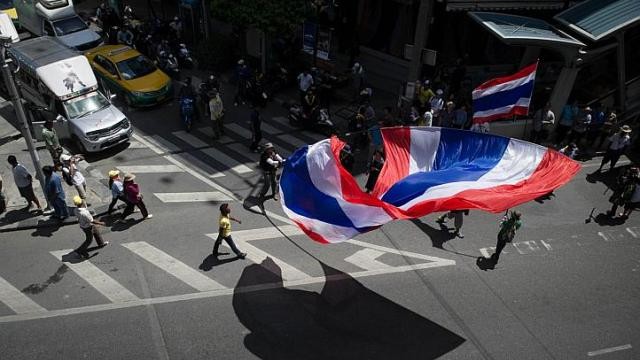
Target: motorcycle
(187,111)
(317,120)
(184,57)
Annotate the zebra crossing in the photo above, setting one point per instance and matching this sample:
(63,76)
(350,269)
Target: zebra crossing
(364,256)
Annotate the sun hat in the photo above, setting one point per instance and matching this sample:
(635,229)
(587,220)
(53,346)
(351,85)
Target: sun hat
(268,145)
(113,173)
(439,92)
(625,128)
(129,177)
(65,157)
(77,200)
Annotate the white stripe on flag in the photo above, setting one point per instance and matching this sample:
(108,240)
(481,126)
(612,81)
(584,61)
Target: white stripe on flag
(503,87)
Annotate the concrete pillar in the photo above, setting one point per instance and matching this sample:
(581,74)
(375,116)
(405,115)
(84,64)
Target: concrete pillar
(531,54)
(562,89)
(420,38)
(622,76)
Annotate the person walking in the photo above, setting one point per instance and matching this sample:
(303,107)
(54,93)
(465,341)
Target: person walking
(634,201)
(117,190)
(618,144)
(542,120)
(134,199)
(580,126)
(458,219)
(88,225)
(55,193)
(567,119)
(51,141)
(305,81)
(623,190)
(508,227)
(270,161)
(216,112)
(24,182)
(69,168)
(256,131)
(224,232)
(373,170)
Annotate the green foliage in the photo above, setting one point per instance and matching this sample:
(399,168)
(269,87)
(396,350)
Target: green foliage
(271,16)
(217,54)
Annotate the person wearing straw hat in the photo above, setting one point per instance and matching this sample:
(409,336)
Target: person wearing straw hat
(88,226)
(270,161)
(618,144)
(117,190)
(134,198)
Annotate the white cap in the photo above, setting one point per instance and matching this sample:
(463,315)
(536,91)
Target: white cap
(65,157)
(439,92)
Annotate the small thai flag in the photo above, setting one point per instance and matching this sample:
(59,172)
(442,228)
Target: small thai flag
(504,97)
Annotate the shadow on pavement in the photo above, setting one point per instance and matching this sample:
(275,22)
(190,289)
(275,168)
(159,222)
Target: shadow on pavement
(344,321)
(438,236)
(210,261)
(605,220)
(56,277)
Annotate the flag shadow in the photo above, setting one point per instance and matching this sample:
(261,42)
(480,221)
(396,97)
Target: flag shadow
(345,320)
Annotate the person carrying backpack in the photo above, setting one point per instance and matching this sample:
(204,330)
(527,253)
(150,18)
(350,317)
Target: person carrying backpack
(72,176)
(270,161)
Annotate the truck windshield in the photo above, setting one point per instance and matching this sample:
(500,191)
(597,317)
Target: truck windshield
(135,67)
(6,4)
(85,105)
(69,25)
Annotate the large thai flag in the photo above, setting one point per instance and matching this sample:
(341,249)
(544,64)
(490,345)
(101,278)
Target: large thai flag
(504,97)
(427,169)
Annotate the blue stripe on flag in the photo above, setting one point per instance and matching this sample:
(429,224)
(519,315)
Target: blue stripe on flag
(503,98)
(462,156)
(303,198)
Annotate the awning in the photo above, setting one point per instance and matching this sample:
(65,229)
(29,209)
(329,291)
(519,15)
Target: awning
(471,5)
(525,31)
(598,19)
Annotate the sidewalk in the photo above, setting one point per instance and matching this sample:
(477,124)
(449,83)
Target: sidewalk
(16,217)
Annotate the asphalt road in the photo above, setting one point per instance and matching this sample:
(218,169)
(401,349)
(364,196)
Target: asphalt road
(564,289)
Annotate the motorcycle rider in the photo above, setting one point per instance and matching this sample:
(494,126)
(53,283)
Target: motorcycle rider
(188,91)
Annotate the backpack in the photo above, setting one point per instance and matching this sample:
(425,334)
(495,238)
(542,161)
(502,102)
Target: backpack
(66,175)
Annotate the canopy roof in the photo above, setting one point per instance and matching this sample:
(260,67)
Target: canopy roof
(598,19)
(469,5)
(523,31)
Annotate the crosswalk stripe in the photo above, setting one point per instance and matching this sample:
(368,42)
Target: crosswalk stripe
(173,266)
(245,133)
(243,149)
(192,197)
(366,259)
(282,121)
(100,281)
(133,144)
(258,256)
(213,152)
(270,129)
(150,169)
(213,173)
(17,301)
(208,132)
(289,139)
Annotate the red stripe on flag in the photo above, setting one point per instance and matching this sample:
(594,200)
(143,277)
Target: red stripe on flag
(525,71)
(397,145)
(516,110)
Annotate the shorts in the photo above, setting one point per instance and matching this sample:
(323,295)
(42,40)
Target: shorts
(27,193)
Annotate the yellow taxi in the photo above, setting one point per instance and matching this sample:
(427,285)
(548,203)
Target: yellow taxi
(129,74)
(6,6)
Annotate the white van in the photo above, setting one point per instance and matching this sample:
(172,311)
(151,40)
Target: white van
(58,19)
(58,83)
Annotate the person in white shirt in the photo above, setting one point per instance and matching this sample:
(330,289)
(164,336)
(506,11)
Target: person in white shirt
(618,143)
(88,226)
(542,119)
(427,118)
(270,161)
(305,81)
(70,166)
(24,182)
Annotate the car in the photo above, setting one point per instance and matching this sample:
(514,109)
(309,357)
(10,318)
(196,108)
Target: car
(133,77)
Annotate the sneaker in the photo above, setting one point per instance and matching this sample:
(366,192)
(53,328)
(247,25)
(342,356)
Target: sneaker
(149,216)
(103,244)
(242,255)
(459,234)
(275,197)
(441,220)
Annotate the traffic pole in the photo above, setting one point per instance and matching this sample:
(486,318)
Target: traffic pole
(5,43)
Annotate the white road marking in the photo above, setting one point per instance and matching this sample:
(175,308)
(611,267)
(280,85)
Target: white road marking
(485,251)
(258,256)
(296,142)
(16,300)
(192,197)
(434,260)
(136,145)
(214,153)
(150,169)
(546,244)
(597,163)
(157,148)
(266,233)
(244,150)
(526,247)
(173,266)
(213,173)
(602,235)
(366,259)
(245,133)
(100,281)
(208,132)
(633,232)
(609,350)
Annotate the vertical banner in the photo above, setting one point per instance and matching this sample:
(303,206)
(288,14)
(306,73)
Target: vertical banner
(309,39)
(324,43)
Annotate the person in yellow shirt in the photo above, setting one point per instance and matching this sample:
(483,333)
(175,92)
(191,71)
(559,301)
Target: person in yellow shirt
(224,231)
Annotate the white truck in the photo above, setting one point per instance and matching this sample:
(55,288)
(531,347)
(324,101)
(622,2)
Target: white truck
(58,84)
(58,19)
